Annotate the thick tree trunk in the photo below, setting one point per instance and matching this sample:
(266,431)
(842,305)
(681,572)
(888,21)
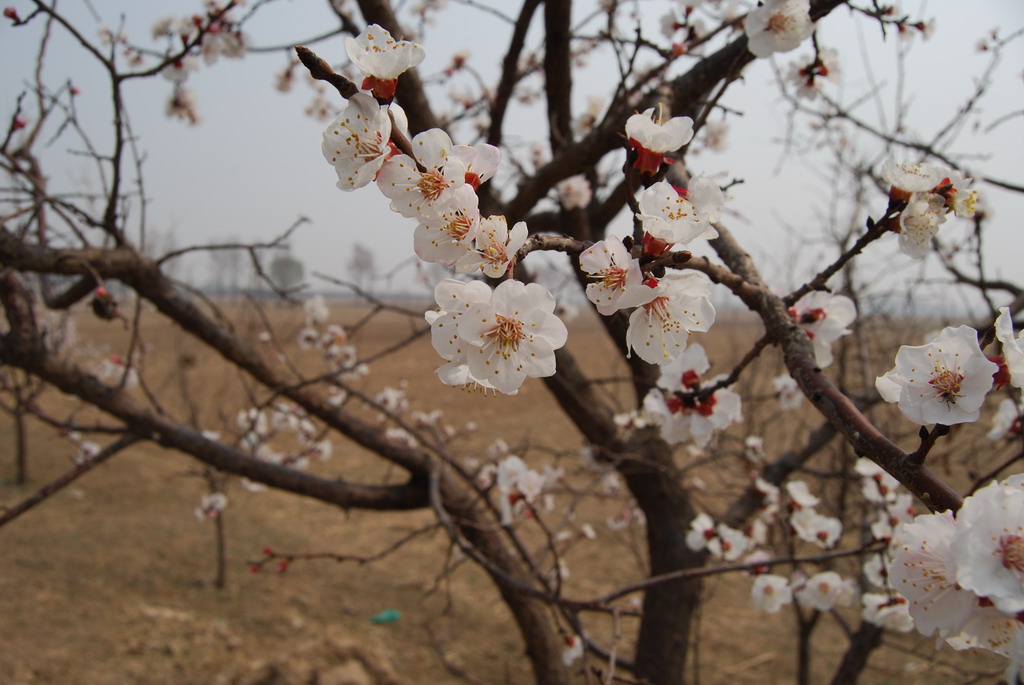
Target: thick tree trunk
(669,608)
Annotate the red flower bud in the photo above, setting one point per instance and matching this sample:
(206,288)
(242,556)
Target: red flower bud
(655,247)
(1002,375)
(690,378)
(383,89)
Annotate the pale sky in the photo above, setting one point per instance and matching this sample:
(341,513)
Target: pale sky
(254,164)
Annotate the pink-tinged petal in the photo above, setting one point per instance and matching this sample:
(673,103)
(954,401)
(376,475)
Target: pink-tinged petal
(377,54)
(659,137)
(1013,350)
(432,148)
(539,360)
(358,141)
(444,336)
(481,160)
(506,374)
(517,237)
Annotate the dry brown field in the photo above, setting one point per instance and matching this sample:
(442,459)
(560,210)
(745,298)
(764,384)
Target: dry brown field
(109,582)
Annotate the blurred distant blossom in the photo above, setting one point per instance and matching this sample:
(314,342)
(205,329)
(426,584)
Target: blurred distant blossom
(178,70)
(315,309)
(211,506)
(770,593)
(888,611)
(824,317)
(1007,420)
(574,192)
(825,590)
(778,26)
(809,74)
(789,393)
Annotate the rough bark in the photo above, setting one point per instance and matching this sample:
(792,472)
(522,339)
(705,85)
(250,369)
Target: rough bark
(669,608)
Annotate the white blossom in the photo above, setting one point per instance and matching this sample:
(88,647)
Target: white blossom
(358,142)
(446,233)
(495,247)
(702,529)
(944,381)
(920,222)
(574,192)
(800,495)
(824,591)
(809,73)
(987,550)
(412,191)
(659,328)
(1007,420)
(511,336)
(788,392)
(378,55)
(681,216)
(728,544)
(778,26)
(315,310)
(573,650)
(1013,348)
(652,138)
(178,70)
(876,485)
(920,570)
(770,593)
(613,271)
(887,611)
(682,421)
(824,317)
(811,526)
(913,177)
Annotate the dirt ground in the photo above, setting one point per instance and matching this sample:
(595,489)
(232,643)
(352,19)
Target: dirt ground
(110,581)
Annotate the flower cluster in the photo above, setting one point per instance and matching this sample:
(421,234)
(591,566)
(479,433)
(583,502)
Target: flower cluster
(209,35)
(331,341)
(823,591)
(262,428)
(964,576)
(494,339)
(217,31)
(667,308)
(931,191)
(519,486)
(679,410)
